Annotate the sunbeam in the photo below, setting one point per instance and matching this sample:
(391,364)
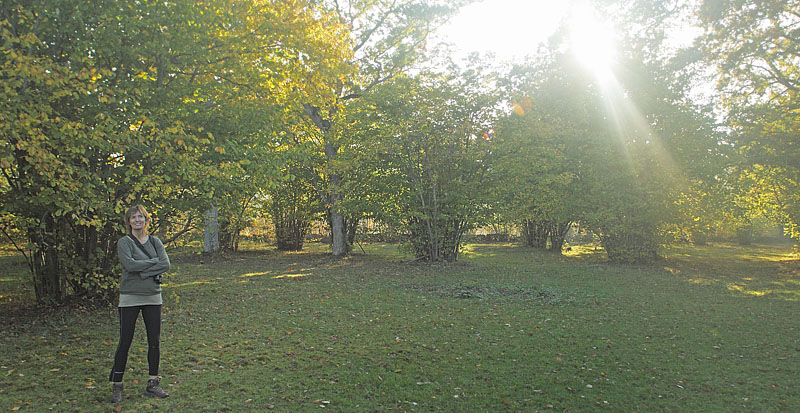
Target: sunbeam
(633,130)
(593,41)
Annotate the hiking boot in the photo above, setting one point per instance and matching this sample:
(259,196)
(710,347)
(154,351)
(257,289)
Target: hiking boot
(154,389)
(116,392)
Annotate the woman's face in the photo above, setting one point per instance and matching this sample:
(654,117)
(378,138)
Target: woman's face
(137,221)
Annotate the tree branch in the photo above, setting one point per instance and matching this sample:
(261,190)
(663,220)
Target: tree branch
(366,36)
(28,260)
(313,112)
(188,227)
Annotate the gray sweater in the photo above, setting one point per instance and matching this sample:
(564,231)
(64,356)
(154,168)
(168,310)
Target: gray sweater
(137,269)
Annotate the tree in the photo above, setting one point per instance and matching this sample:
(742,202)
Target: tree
(667,85)
(76,151)
(387,37)
(539,147)
(292,200)
(754,45)
(293,205)
(430,130)
(276,55)
(119,102)
(613,152)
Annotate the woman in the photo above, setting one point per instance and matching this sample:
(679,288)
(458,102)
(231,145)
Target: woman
(143,260)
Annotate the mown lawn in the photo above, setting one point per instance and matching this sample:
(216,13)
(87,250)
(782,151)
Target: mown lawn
(712,328)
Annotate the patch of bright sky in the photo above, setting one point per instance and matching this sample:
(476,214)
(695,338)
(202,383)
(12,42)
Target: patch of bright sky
(510,29)
(514,29)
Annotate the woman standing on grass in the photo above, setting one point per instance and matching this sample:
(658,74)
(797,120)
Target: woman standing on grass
(143,260)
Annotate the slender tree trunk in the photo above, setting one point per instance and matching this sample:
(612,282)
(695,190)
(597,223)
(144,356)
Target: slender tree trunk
(744,234)
(290,231)
(211,239)
(351,227)
(536,233)
(47,281)
(338,236)
(290,208)
(436,253)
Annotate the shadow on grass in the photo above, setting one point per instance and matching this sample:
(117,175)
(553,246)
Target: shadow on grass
(747,271)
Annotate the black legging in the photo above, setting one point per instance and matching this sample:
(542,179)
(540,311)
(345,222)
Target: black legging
(127,325)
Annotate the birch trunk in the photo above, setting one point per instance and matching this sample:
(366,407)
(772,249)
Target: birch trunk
(211,239)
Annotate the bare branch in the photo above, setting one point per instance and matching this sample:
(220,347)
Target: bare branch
(28,260)
(187,227)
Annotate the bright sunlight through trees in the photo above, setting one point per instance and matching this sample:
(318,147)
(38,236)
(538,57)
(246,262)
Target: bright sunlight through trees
(510,29)
(592,40)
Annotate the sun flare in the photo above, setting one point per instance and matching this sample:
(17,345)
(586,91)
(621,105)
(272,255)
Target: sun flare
(508,29)
(593,42)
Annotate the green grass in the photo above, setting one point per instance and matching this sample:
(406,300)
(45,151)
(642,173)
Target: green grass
(505,329)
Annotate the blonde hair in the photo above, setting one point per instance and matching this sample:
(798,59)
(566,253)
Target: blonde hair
(132,210)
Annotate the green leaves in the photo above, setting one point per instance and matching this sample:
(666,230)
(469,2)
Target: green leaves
(612,155)
(426,131)
(166,104)
(753,44)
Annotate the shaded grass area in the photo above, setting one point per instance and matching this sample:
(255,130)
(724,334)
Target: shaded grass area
(505,329)
(15,280)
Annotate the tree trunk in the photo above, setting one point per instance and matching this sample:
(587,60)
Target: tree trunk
(227,235)
(211,239)
(47,281)
(558,231)
(339,244)
(744,234)
(290,231)
(699,237)
(536,233)
(350,229)
(338,236)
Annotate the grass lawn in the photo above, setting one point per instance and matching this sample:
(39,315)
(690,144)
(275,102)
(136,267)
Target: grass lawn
(712,329)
